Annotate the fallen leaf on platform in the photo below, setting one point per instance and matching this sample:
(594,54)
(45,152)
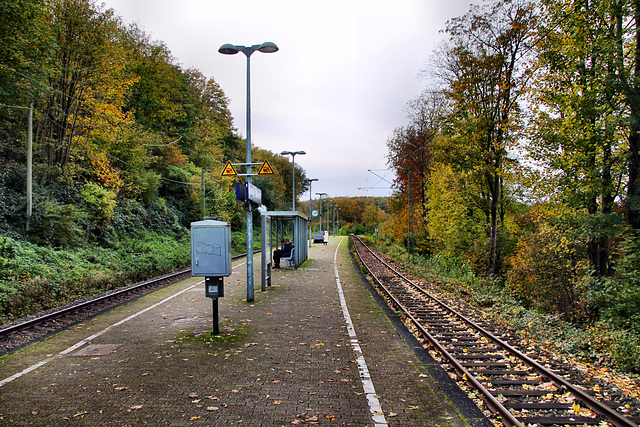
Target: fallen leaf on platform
(193,395)
(194,418)
(329,416)
(277,402)
(212,408)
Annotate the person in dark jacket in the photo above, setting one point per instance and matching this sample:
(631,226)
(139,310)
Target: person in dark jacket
(279,253)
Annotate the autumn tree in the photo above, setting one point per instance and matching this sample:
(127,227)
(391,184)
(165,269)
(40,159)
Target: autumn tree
(484,69)
(410,154)
(579,125)
(82,37)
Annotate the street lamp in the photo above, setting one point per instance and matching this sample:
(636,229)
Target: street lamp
(321,194)
(310,180)
(230,49)
(293,174)
(333,212)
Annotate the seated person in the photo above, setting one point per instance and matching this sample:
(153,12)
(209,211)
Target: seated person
(279,253)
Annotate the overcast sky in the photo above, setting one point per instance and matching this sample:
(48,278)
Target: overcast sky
(338,86)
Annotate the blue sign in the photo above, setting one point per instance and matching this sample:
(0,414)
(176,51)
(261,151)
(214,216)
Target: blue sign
(249,192)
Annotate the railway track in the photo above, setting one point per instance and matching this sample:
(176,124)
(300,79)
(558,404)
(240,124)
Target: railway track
(516,387)
(25,331)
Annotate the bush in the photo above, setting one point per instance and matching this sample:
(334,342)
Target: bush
(57,225)
(99,202)
(36,278)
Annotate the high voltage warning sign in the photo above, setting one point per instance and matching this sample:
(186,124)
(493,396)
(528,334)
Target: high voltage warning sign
(265,169)
(229,170)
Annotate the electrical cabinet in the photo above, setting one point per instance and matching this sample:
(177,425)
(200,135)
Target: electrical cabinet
(210,248)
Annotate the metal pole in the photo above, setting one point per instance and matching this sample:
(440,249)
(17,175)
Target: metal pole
(202,192)
(333,218)
(310,209)
(293,181)
(216,327)
(30,166)
(250,294)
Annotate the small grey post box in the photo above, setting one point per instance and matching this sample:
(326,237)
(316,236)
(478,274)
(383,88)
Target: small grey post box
(210,248)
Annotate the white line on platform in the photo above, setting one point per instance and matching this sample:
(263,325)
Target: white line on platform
(367,384)
(89,339)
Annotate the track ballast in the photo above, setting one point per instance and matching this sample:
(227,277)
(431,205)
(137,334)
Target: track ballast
(517,386)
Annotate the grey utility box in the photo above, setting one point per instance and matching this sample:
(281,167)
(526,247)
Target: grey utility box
(210,248)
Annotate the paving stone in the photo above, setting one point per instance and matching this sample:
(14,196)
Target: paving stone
(284,359)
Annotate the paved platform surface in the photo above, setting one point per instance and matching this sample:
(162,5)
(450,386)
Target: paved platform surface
(288,358)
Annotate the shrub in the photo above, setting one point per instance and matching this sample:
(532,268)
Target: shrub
(99,202)
(57,225)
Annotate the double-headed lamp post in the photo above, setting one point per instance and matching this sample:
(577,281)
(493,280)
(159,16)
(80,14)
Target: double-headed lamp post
(230,49)
(293,174)
(310,180)
(321,194)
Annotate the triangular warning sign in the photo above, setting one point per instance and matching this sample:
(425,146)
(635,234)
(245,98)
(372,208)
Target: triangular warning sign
(229,170)
(265,169)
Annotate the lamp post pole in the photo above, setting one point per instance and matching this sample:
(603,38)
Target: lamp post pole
(310,180)
(328,223)
(321,194)
(293,174)
(229,49)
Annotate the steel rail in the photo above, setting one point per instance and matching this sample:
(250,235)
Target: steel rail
(97,300)
(595,405)
(463,373)
(61,312)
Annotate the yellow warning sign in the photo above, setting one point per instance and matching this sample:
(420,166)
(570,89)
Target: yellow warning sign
(265,169)
(229,170)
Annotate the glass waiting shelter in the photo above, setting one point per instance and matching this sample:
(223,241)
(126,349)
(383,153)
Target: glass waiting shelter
(278,225)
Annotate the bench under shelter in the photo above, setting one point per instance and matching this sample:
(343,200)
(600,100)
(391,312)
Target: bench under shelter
(278,225)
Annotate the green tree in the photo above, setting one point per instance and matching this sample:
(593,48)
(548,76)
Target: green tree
(25,46)
(485,72)
(578,136)
(82,36)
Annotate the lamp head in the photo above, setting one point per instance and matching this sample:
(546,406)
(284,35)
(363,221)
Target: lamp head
(268,47)
(229,49)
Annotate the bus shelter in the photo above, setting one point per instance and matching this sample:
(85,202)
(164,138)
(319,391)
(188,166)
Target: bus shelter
(278,225)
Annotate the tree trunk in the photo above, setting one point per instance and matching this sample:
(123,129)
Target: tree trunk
(493,239)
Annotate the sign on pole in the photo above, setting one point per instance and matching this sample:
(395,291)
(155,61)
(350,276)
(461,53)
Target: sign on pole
(229,170)
(265,169)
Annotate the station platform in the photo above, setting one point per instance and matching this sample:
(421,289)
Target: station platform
(317,348)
